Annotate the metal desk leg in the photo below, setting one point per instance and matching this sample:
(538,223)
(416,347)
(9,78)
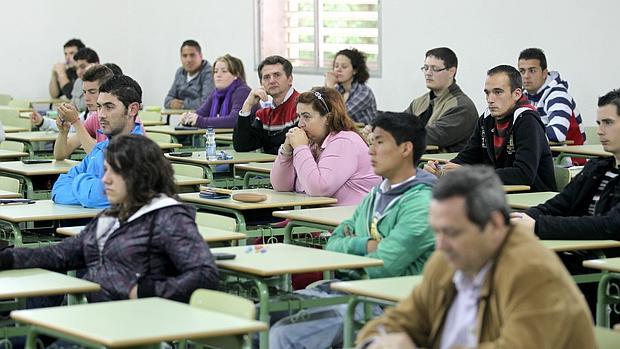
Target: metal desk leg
(349,323)
(604,299)
(263,315)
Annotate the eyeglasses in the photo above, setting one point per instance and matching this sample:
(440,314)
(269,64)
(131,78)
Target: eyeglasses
(319,96)
(433,69)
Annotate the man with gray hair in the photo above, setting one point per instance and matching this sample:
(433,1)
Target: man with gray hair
(488,284)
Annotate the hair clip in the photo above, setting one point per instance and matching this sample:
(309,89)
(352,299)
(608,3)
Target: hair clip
(319,96)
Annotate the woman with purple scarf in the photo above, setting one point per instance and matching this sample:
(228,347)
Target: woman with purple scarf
(221,108)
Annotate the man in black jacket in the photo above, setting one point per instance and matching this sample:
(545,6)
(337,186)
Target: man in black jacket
(589,207)
(509,136)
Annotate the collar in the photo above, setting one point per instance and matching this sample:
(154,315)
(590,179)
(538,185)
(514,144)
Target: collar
(270,103)
(463,282)
(156,203)
(385,186)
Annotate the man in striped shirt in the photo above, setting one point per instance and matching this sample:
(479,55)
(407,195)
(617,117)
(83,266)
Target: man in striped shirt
(549,93)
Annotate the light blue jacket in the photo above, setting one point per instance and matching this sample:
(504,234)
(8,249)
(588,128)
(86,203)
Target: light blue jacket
(83,184)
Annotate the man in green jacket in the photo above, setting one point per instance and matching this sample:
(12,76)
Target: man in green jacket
(391,224)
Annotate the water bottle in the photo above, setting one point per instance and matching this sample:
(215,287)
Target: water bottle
(210,144)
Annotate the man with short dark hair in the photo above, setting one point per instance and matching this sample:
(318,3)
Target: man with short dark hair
(589,207)
(449,115)
(549,94)
(84,59)
(63,73)
(270,110)
(390,224)
(489,284)
(509,136)
(193,82)
(118,104)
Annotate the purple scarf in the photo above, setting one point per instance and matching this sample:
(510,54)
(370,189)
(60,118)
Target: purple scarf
(223,108)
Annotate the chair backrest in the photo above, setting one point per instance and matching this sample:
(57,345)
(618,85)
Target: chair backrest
(10,117)
(223,303)
(12,146)
(5,99)
(188,170)
(145,115)
(159,137)
(562,177)
(19,103)
(10,184)
(213,220)
(591,136)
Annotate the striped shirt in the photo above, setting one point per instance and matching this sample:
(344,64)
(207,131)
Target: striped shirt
(558,111)
(361,105)
(609,176)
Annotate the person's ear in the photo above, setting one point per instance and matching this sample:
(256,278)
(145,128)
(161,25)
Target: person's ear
(134,108)
(516,94)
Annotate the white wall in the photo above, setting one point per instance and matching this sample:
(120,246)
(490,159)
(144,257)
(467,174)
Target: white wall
(143,37)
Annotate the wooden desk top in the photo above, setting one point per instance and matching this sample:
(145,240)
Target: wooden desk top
(168,146)
(19,109)
(274,200)
(9,195)
(607,338)
(146,123)
(200,157)
(44,210)
(47,101)
(53,168)
(605,264)
(587,149)
(208,234)
(280,259)
(174,111)
(515,188)
(168,129)
(10,154)
(39,282)
(390,289)
(526,200)
(33,136)
(13,129)
(228,137)
(441,157)
(323,215)
(573,245)
(185,180)
(261,167)
(137,322)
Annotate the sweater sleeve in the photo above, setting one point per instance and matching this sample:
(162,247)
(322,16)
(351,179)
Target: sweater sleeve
(66,255)
(223,121)
(282,174)
(473,152)
(336,166)
(173,91)
(247,135)
(453,127)
(559,110)
(344,239)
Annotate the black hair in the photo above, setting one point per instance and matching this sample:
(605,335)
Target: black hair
(445,54)
(403,127)
(516,81)
(534,53)
(192,43)
(115,68)
(358,62)
(97,72)
(87,54)
(611,98)
(74,43)
(126,89)
(271,60)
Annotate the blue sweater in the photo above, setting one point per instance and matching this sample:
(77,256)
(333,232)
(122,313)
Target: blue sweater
(82,185)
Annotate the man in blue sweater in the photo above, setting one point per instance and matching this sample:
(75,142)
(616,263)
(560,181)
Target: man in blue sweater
(118,104)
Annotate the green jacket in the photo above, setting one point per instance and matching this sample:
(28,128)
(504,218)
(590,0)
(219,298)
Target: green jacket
(407,239)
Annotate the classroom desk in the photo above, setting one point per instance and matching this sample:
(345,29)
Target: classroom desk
(200,158)
(20,284)
(39,211)
(387,291)
(579,151)
(281,260)
(523,201)
(224,138)
(606,338)
(146,123)
(574,245)
(323,218)
(274,200)
(169,146)
(129,323)
(209,234)
(440,157)
(26,172)
(28,138)
(9,195)
(169,130)
(11,155)
(611,269)
(13,129)
(174,111)
(253,169)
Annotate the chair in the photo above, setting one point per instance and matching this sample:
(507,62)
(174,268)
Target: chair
(227,304)
(591,136)
(159,137)
(213,220)
(13,146)
(562,177)
(149,115)
(188,170)
(10,184)
(19,103)
(10,117)
(5,99)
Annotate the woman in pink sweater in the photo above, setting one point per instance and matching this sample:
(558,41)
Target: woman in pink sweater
(325,155)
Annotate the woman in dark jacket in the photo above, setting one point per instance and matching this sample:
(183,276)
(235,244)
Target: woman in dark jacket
(146,244)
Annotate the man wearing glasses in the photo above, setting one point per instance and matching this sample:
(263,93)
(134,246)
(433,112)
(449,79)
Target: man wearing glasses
(449,115)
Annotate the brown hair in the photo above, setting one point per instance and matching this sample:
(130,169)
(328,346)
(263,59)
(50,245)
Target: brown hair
(328,102)
(234,65)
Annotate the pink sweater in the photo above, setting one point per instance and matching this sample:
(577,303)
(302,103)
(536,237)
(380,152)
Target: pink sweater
(343,170)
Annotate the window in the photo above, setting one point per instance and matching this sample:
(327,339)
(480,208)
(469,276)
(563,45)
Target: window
(310,32)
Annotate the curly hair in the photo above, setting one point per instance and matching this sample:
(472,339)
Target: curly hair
(358,62)
(145,170)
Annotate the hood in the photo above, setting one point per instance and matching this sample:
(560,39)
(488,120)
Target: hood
(421,177)
(158,202)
